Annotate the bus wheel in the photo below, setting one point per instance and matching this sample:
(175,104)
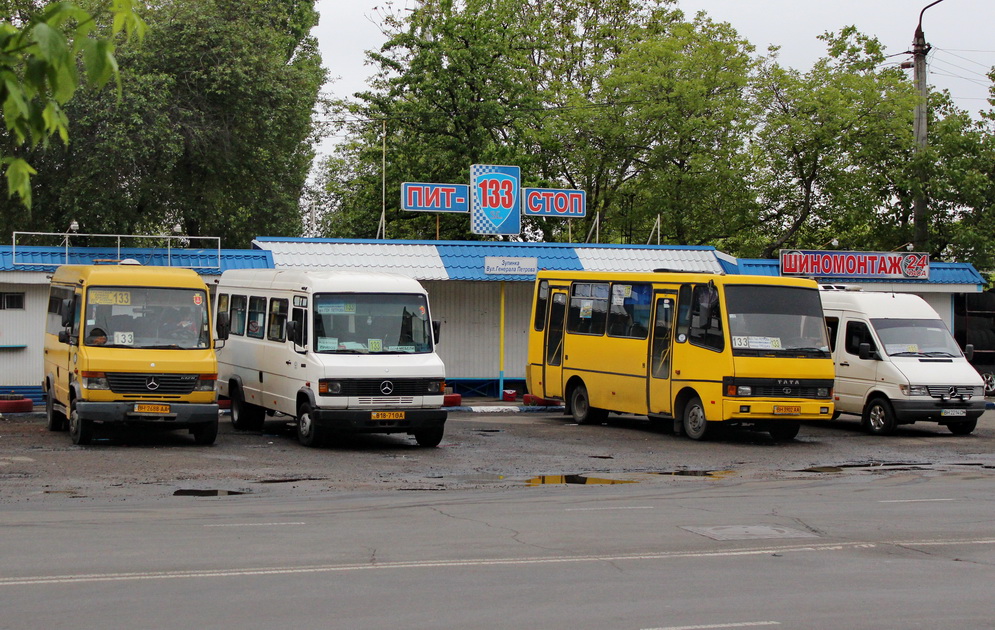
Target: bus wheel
(963,428)
(583,412)
(429,437)
(205,434)
(244,415)
(879,419)
(308,432)
(783,431)
(55,420)
(80,429)
(695,425)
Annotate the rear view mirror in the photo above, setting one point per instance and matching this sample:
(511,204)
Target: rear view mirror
(865,352)
(969,351)
(68,308)
(294,333)
(436,330)
(223,326)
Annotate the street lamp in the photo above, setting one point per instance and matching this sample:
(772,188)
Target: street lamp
(919,51)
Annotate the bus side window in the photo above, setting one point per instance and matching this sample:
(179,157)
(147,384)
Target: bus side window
(684,313)
(542,303)
(277,326)
(706,317)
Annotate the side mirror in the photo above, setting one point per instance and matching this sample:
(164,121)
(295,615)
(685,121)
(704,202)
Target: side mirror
(223,326)
(865,352)
(294,332)
(436,330)
(969,351)
(63,336)
(68,309)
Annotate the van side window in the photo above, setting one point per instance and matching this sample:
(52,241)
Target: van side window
(238,314)
(277,327)
(856,334)
(833,326)
(56,306)
(255,326)
(588,308)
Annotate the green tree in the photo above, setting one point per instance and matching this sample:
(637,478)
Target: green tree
(830,144)
(40,48)
(213,130)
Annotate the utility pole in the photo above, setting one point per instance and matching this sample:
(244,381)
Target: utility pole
(919,204)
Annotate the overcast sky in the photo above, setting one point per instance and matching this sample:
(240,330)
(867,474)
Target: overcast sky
(960,32)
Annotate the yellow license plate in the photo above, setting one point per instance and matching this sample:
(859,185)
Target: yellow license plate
(388,415)
(787,410)
(143,408)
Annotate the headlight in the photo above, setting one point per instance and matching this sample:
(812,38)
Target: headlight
(822,392)
(329,388)
(94,380)
(205,383)
(914,390)
(436,387)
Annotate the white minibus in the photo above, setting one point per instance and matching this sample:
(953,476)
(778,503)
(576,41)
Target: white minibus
(896,363)
(339,351)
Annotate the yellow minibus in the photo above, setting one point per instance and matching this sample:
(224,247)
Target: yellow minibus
(129,345)
(704,350)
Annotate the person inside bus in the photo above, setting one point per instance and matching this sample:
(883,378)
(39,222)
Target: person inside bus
(96,337)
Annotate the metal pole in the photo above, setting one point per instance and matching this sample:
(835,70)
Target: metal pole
(920,204)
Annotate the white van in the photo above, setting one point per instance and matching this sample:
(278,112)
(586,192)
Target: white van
(339,351)
(896,363)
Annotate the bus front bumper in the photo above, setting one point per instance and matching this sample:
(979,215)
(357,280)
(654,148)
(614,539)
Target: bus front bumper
(380,420)
(179,414)
(752,409)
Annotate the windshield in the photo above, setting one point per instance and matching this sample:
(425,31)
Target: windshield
(371,323)
(915,338)
(146,317)
(776,321)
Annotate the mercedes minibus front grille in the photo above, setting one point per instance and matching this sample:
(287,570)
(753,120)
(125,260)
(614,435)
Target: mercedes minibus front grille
(381,387)
(138,383)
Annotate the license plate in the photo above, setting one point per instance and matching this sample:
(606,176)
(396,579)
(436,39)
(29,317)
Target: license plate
(787,410)
(144,408)
(953,412)
(388,415)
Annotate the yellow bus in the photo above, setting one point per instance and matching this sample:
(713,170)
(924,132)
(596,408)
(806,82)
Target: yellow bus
(703,350)
(128,344)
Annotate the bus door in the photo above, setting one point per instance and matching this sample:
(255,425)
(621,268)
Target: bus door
(661,355)
(552,377)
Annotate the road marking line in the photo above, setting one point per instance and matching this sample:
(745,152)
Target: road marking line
(254,524)
(434,564)
(632,507)
(414,564)
(914,500)
(716,626)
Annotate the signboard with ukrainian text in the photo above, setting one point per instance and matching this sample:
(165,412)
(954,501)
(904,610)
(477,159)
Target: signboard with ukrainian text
(552,202)
(495,205)
(435,197)
(501,265)
(877,265)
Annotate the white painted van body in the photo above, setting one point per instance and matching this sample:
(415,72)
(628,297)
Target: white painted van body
(367,362)
(912,369)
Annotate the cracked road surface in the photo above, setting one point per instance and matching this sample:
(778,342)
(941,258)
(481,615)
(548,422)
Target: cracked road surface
(515,521)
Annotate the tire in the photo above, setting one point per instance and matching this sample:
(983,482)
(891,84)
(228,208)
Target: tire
(80,429)
(963,428)
(695,424)
(429,438)
(580,407)
(308,433)
(244,415)
(54,420)
(205,434)
(989,377)
(879,417)
(783,431)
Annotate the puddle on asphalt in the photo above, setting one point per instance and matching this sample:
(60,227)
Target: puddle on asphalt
(713,474)
(559,480)
(292,480)
(193,492)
